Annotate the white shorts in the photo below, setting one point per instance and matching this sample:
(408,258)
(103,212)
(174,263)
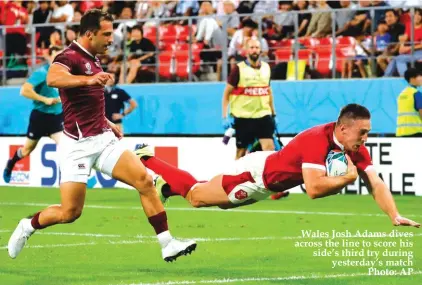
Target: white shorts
(245,182)
(78,157)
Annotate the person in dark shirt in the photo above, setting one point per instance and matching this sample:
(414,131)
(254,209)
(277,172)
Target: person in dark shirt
(142,54)
(395,29)
(115,99)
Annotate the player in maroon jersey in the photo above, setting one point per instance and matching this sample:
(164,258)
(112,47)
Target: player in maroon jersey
(91,141)
(260,174)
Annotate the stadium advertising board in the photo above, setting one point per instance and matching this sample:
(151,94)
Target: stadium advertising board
(393,158)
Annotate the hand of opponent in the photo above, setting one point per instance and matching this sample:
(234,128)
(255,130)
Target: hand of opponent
(116,116)
(51,101)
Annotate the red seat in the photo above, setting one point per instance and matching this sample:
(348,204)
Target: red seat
(305,54)
(182,63)
(324,42)
(165,59)
(346,41)
(183,33)
(168,33)
(323,61)
(308,42)
(283,55)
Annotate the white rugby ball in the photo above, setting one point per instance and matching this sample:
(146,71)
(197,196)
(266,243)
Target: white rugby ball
(336,163)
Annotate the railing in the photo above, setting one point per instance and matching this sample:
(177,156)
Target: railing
(182,60)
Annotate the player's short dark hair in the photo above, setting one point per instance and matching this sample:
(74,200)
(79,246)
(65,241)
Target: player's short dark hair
(354,112)
(91,20)
(412,73)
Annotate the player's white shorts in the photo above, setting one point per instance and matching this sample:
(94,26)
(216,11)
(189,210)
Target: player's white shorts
(78,157)
(245,181)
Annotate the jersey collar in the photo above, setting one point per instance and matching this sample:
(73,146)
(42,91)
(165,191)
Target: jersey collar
(82,48)
(337,142)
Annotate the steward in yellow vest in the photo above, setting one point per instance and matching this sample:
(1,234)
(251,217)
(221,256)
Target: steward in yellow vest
(248,92)
(409,106)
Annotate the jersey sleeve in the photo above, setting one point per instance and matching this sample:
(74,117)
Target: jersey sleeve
(363,160)
(64,60)
(124,95)
(314,154)
(36,78)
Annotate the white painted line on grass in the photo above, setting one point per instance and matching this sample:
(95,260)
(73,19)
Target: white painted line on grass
(262,279)
(152,239)
(215,210)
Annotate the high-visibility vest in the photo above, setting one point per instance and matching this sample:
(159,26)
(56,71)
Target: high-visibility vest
(409,121)
(251,97)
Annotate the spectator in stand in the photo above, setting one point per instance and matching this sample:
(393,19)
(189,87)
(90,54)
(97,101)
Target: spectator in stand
(187,8)
(62,13)
(236,51)
(400,62)
(77,16)
(264,8)
(211,35)
(126,14)
(70,35)
(304,18)
(141,55)
(403,3)
(320,25)
(230,19)
(41,16)
(395,29)
(154,9)
(284,20)
(359,24)
(56,38)
(345,15)
(363,50)
(379,14)
(221,9)
(14,15)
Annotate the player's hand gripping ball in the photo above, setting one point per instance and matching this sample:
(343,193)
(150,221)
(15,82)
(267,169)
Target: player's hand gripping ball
(336,163)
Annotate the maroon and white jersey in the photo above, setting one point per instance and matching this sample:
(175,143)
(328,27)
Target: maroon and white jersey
(83,107)
(309,149)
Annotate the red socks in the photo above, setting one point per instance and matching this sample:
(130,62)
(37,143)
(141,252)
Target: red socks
(179,180)
(159,222)
(35,222)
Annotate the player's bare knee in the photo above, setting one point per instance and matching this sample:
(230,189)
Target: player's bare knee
(144,183)
(70,215)
(25,151)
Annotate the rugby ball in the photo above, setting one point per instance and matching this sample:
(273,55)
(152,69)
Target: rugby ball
(336,163)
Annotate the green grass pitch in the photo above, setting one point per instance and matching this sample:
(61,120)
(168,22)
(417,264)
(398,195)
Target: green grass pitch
(112,243)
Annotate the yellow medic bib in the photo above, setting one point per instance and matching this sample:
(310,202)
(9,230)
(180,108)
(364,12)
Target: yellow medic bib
(409,121)
(251,97)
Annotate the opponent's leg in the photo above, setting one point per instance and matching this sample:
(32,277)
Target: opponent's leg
(56,137)
(22,152)
(267,144)
(130,170)
(72,202)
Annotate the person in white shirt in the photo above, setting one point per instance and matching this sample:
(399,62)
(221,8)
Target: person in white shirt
(63,13)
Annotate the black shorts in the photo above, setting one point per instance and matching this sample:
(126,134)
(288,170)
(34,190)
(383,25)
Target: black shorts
(43,124)
(248,130)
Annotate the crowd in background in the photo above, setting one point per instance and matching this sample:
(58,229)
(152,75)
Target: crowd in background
(380,41)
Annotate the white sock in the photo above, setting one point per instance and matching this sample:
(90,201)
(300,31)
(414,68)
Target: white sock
(164,238)
(28,226)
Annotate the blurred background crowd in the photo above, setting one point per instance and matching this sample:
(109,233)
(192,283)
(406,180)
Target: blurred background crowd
(192,40)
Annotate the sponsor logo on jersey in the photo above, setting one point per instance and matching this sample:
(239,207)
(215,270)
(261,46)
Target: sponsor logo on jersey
(88,68)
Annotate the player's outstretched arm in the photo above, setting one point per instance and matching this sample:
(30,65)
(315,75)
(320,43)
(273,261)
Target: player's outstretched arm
(58,76)
(384,198)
